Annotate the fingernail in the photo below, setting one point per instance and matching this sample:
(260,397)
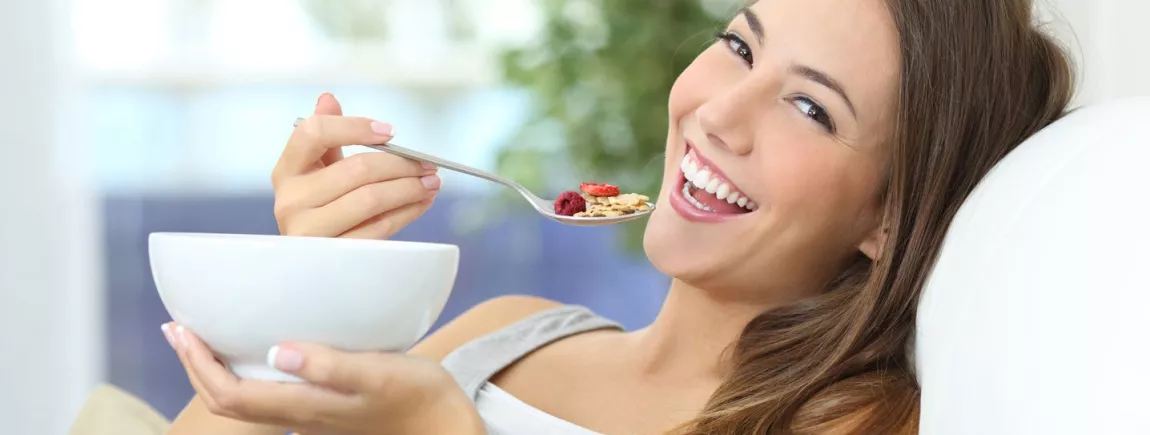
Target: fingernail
(320,99)
(431,182)
(167,329)
(288,360)
(180,338)
(427,166)
(381,128)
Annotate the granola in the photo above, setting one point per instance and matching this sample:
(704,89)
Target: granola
(612,206)
(600,200)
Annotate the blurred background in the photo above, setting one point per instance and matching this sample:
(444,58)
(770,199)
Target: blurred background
(123,117)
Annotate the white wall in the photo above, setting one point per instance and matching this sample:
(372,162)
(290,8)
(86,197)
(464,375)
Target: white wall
(1109,37)
(50,336)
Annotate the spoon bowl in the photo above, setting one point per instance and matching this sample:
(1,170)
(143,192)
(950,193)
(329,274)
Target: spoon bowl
(545,208)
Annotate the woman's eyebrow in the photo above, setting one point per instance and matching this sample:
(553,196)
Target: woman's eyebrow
(755,24)
(826,80)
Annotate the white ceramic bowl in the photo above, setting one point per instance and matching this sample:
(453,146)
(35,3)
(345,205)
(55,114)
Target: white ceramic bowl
(244,294)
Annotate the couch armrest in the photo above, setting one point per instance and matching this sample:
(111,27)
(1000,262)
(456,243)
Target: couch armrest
(111,411)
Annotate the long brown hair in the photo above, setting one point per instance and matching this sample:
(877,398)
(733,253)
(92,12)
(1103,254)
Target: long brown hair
(977,78)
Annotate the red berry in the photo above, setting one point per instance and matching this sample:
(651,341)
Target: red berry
(570,203)
(599,189)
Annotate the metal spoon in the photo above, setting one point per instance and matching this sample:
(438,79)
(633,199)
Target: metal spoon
(543,206)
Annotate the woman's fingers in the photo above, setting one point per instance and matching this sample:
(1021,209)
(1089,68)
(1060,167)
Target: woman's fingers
(360,205)
(328,105)
(275,403)
(387,224)
(319,193)
(321,187)
(320,133)
(177,338)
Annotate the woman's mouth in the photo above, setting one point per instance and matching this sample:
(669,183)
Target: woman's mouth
(708,189)
(706,193)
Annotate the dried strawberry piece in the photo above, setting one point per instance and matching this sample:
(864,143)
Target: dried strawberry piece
(570,203)
(599,189)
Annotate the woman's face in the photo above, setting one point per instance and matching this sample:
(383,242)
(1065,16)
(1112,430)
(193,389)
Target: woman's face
(786,116)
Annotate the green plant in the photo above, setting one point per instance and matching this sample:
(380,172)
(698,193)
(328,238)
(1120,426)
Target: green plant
(353,20)
(599,77)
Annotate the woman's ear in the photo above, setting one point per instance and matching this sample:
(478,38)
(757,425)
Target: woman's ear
(872,245)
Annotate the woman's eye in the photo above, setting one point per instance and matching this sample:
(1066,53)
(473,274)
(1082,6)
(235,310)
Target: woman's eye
(736,45)
(815,112)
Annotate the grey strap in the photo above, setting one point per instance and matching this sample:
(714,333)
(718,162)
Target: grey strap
(474,363)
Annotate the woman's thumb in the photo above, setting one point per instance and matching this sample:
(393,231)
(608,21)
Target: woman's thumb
(328,105)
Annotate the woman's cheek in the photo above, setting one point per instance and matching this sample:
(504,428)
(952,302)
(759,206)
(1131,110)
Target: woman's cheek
(793,172)
(694,85)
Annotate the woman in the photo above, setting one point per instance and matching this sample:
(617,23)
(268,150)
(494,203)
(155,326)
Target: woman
(855,127)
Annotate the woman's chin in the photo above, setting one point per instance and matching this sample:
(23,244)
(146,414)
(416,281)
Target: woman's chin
(671,253)
(701,262)
(657,237)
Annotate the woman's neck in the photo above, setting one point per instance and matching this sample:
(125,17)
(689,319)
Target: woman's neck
(690,335)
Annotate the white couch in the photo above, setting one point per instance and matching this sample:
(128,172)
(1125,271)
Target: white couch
(1036,318)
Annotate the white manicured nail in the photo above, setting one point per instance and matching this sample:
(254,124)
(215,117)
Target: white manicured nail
(180,337)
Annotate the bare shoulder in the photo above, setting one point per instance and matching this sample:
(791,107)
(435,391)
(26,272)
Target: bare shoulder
(483,319)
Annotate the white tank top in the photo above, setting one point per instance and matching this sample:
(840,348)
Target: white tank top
(506,414)
(474,363)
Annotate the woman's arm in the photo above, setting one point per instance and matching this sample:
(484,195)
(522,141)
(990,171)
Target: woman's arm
(483,319)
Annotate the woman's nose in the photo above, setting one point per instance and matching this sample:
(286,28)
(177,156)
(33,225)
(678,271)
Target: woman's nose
(727,118)
(718,142)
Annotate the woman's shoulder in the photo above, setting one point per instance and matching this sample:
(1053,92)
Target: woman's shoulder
(485,318)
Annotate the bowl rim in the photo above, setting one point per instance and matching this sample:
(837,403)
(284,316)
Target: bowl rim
(301,240)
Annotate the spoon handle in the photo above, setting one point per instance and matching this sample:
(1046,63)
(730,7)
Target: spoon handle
(446,164)
(538,203)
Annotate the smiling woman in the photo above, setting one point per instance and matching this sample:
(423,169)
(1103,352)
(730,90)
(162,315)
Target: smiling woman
(770,108)
(857,127)
(816,154)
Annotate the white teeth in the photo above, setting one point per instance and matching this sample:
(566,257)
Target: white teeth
(702,178)
(713,185)
(722,191)
(692,200)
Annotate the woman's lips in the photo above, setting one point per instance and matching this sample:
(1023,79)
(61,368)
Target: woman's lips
(703,204)
(685,208)
(711,186)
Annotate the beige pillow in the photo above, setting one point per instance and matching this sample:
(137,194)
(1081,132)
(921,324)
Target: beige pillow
(111,411)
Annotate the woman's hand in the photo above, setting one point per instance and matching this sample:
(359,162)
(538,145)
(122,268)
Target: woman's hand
(348,394)
(373,195)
